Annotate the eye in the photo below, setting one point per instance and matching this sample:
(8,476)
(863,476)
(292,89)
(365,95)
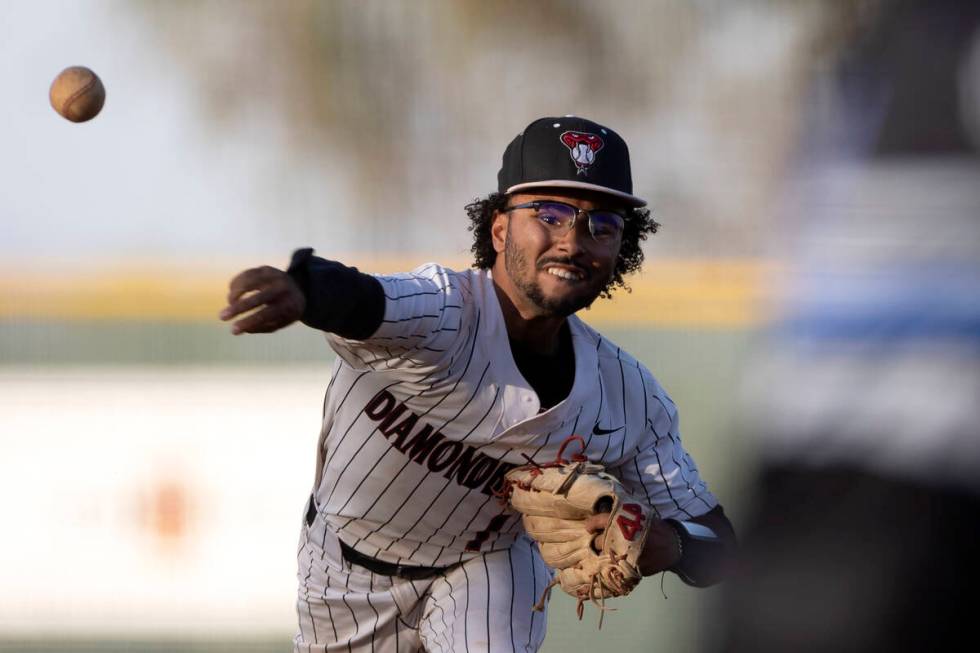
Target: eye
(549,216)
(556,214)
(606,225)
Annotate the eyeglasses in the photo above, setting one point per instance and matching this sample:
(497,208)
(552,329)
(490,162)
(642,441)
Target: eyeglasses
(605,226)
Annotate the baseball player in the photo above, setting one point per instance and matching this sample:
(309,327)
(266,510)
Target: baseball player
(446,380)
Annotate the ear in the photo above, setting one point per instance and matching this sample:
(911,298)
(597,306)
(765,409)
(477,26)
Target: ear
(498,231)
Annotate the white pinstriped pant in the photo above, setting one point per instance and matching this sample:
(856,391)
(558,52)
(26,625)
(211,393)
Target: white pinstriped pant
(481,605)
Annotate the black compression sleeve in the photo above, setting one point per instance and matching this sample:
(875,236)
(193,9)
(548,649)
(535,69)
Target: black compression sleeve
(339,299)
(705,559)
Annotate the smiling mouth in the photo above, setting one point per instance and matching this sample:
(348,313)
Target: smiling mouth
(566,274)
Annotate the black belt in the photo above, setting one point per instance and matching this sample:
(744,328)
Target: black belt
(408,572)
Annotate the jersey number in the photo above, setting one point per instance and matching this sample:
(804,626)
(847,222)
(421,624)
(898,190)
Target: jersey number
(630,527)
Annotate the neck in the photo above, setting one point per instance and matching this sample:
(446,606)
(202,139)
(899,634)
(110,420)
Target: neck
(525,323)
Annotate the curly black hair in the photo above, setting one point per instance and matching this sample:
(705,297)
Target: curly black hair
(639,225)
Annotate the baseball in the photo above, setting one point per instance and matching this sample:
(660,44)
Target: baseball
(77,94)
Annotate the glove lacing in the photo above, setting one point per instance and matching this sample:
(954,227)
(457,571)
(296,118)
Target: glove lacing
(598,588)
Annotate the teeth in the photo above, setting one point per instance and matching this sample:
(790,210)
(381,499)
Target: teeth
(564,274)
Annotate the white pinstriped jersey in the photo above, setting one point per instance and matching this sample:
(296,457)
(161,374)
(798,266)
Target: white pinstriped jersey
(422,420)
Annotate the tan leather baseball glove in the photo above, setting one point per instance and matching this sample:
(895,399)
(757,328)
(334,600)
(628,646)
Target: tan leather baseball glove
(554,500)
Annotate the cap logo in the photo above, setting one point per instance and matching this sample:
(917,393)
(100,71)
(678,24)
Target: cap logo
(582,147)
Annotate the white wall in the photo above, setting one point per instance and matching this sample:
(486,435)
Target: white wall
(153,500)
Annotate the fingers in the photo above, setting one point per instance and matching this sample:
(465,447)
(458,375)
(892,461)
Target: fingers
(597,522)
(270,294)
(265,320)
(252,299)
(252,279)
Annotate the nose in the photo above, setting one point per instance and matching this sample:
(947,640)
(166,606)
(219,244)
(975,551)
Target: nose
(578,237)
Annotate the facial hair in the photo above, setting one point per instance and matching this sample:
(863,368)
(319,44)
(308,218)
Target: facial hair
(522,274)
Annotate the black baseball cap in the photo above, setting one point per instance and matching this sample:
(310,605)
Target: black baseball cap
(568,152)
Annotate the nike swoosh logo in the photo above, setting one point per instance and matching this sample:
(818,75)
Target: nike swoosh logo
(599,431)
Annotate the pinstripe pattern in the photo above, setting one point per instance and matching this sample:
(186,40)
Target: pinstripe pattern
(421,420)
(407,462)
(490,610)
(365,611)
(462,609)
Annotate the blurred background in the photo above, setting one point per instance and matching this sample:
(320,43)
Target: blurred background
(153,467)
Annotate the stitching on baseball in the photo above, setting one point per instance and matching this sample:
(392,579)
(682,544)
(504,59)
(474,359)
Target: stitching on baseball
(66,105)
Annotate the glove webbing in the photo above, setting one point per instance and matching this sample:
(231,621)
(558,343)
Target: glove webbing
(505,491)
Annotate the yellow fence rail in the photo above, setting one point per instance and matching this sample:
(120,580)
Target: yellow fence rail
(710,293)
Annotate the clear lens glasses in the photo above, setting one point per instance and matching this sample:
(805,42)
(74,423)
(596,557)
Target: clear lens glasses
(605,226)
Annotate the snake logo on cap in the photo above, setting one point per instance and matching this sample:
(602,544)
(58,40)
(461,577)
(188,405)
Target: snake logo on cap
(582,147)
